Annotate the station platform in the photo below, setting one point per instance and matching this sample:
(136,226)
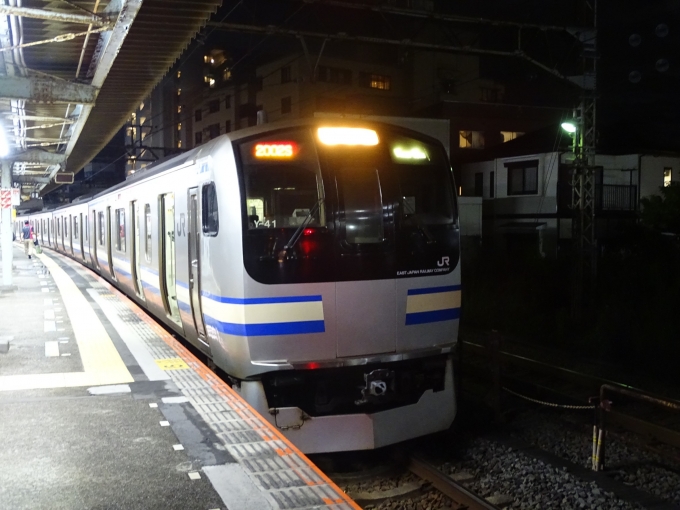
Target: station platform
(101,408)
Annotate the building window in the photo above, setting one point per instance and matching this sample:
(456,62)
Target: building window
(211,224)
(198,115)
(285,74)
(147,232)
(214,130)
(258,84)
(179,108)
(179,92)
(470,139)
(489,95)
(334,75)
(375,81)
(227,127)
(226,74)
(285,105)
(179,126)
(479,184)
(198,138)
(214,106)
(179,144)
(227,102)
(523,177)
(510,135)
(667,176)
(120,229)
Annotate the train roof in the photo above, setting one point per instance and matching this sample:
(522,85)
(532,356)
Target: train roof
(193,154)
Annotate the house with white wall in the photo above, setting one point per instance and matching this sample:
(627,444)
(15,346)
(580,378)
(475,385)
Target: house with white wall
(529,194)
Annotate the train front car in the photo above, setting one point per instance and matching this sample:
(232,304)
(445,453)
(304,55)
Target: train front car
(351,284)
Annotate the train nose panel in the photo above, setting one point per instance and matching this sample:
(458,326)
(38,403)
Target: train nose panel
(366,312)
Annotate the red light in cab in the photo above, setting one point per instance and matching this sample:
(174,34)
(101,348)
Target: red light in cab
(313,366)
(308,231)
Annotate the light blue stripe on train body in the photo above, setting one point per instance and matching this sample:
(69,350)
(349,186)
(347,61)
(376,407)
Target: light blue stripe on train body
(266,316)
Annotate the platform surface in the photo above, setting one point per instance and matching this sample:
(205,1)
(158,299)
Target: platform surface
(101,408)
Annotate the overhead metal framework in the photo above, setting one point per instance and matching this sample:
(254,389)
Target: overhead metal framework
(72,71)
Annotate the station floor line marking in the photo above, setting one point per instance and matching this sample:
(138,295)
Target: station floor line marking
(101,362)
(268,432)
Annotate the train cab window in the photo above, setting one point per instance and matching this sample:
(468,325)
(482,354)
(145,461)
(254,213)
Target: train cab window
(283,181)
(147,232)
(120,229)
(211,224)
(363,206)
(101,229)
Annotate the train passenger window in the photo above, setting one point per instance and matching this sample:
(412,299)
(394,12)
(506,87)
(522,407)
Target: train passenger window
(120,229)
(283,181)
(147,232)
(211,223)
(101,228)
(65,227)
(75,228)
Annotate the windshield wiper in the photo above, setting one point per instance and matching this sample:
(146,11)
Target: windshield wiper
(420,224)
(298,233)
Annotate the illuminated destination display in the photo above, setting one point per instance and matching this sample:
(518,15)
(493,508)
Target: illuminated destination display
(412,153)
(347,136)
(275,150)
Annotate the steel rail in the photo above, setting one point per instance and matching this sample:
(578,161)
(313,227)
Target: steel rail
(448,487)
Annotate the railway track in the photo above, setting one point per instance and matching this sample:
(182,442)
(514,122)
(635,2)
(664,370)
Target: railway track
(408,481)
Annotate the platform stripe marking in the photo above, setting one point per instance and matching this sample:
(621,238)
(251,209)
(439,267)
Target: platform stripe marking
(101,362)
(172,364)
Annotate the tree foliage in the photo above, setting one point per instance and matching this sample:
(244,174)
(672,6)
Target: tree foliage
(662,212)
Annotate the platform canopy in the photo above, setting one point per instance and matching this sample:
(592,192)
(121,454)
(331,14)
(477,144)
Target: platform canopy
(72,71)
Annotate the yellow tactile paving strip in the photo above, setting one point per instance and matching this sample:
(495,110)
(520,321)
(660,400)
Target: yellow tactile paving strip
(101,362)
(290,455)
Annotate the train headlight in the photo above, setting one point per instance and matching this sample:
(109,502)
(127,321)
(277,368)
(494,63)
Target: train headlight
(347,136)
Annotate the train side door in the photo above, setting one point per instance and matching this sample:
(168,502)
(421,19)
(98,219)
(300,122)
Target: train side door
(167,258)
(194,242)
(109,238)
(81,235)
(135,263)
(93,241)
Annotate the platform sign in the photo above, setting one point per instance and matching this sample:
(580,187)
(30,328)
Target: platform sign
(5,198)
(16,196)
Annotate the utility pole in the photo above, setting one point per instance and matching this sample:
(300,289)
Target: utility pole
(583,182)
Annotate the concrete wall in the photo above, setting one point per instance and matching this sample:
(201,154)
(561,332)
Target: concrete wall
(470,214)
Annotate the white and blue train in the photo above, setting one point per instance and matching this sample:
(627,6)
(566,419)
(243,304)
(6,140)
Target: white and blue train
(316,262)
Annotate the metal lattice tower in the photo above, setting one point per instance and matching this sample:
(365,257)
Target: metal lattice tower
(583,183)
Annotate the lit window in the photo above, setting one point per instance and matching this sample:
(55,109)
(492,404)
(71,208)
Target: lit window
(376,81)
(120,230)
(141,105)
(179,126)
(206,59)
(133,117)
(179,74)
(667,176)
(510,135)
(179,92)
(179,108)
(211,83)
(470,139)
(179,144)
(226,75)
